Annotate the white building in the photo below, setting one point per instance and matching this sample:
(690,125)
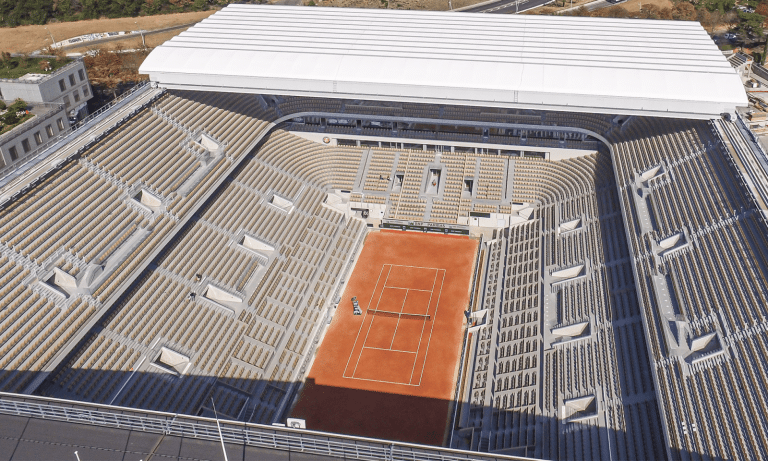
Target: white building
(57,99)
(622,66)
(68,86)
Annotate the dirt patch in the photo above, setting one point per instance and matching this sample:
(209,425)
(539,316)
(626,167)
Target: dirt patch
(108,70)
(25,39)
(633,6)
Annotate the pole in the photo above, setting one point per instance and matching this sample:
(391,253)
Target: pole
(53,45)
(77,456)
(221,437)
(141,31)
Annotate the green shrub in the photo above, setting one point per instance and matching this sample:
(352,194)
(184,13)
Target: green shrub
(18,106)
(10,118)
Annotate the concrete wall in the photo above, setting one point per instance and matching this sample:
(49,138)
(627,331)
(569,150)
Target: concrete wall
(550,153)
(46,126)
(48,89)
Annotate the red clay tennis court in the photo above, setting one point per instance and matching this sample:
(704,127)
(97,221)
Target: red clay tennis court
(391,372)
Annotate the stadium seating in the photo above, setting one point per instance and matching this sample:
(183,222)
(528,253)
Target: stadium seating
(236,257)
(267,333)
(700,192)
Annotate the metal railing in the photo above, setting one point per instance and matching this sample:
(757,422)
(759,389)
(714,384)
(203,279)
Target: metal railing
(71,131)
(255,435)
(761,71)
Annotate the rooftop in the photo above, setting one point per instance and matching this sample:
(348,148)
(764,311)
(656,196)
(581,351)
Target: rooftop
(30,70)
(669,68)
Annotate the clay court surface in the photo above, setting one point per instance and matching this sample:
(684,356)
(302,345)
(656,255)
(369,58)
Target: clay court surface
(391,372)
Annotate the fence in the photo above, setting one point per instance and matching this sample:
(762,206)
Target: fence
(270,437)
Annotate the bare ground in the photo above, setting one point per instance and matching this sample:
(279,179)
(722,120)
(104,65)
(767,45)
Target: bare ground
(25,39)
(632,6)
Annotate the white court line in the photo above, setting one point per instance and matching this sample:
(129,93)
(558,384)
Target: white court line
(378,302)
(386,382)
(398,321)
(370,325)
(421,336)
(411,289)
(442,282)
(363,322)
(391,350)
(419,267)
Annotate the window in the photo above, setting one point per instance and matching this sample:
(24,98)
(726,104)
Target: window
(66,101)
(72,79)
(49,131)
(86,92)
(38,138)
(62,85)
(81,74)
(25,145)
(14,154)
(60,124)
(76,94)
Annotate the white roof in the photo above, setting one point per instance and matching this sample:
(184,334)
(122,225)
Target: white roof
(567,63)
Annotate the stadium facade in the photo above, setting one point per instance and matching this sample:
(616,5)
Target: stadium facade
(193,254)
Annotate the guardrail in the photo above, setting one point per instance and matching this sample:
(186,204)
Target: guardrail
(761,71)
(755,141)
(72,130)
(255,435)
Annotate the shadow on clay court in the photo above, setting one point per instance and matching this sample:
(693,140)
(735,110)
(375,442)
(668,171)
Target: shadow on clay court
(403,418)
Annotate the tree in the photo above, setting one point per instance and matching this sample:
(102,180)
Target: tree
(719,5)
(684,11)
(18,106)
(706,19)
(10,117)
(751,24)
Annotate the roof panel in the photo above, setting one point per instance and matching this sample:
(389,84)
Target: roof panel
(584,64)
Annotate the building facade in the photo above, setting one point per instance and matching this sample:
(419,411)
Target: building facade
(68,86)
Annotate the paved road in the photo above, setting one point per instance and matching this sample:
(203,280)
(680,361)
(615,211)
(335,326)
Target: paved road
(592,6)
(507,6)
(597,5)
(88,43)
